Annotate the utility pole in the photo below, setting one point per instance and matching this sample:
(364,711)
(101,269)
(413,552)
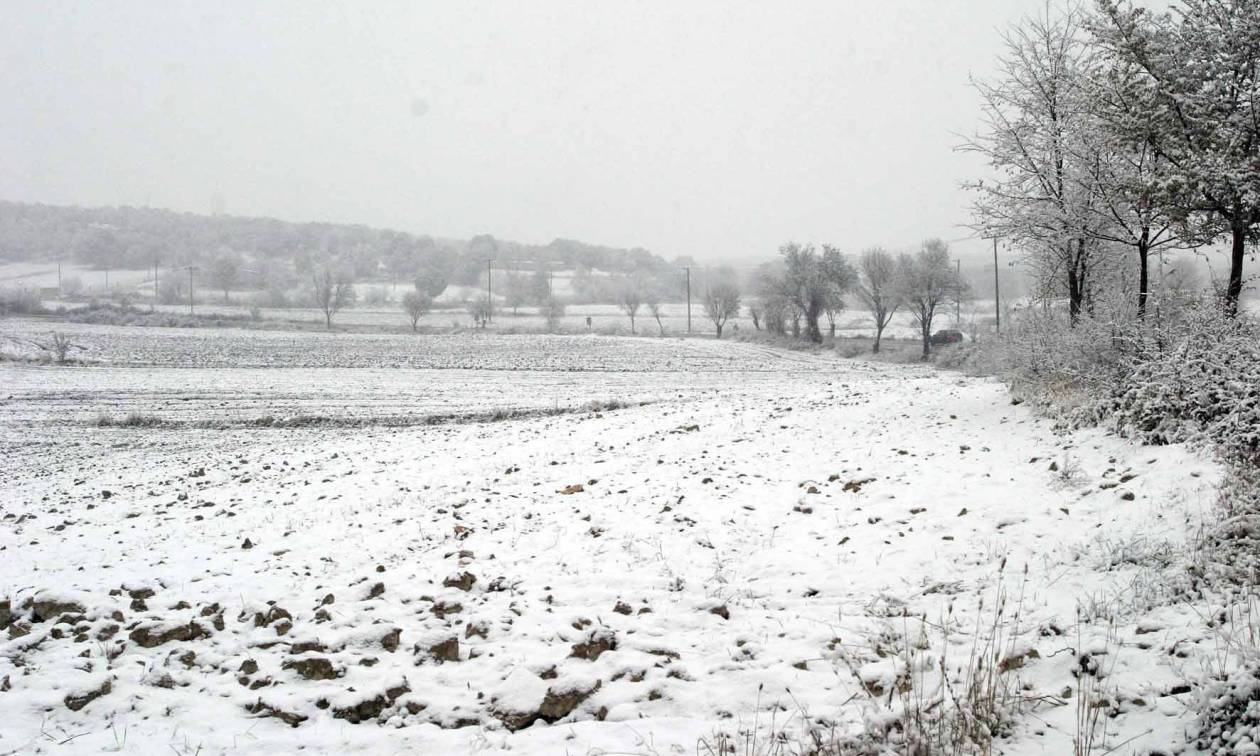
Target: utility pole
(153,304)
(190,290)
(58,279)
(997,296)
(958,297)
(688,269)
(489,291)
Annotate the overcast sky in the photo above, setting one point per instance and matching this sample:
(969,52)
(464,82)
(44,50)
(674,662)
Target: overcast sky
(715,129)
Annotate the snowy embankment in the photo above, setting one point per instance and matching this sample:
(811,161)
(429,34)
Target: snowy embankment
(630,580)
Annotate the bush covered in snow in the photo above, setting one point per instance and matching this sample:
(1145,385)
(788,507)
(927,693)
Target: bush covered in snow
(1195,377)
(1197,381)
(1230,724)
(20,301)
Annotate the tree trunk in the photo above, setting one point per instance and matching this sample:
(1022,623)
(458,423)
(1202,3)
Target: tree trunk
(1074,294)
(811,326)
(632,324)
(879,333)
(328,320)
(815,335)
(1144,254)
(719,329)
(1234,290)
(927,338)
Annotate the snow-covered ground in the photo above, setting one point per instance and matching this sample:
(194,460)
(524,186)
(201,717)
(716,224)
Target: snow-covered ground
(744,547)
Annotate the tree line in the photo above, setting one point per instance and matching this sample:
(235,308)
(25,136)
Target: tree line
(265,254)
(806,286)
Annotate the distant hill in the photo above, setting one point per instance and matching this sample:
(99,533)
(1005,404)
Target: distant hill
(275,252)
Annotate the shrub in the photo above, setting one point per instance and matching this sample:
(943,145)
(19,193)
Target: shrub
(1230,719)
(1193,378)
(20,301)
(1230,551)
(130,420)
(1199,383)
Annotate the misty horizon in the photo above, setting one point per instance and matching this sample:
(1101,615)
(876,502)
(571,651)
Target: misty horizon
(708,131)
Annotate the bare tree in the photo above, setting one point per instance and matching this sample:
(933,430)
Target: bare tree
(840,277)
(332,290)
(416,304)
(721,301)
(629,295)
(755,311)
(926,281)
(1035,110)
(653,301)
(877,288)
(59,345)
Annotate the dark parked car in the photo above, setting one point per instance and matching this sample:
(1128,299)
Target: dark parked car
(941,338)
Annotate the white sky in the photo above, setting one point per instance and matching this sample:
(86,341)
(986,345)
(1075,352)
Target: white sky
(716,129)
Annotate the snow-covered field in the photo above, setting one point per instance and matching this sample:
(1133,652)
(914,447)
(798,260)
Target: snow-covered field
(758,537)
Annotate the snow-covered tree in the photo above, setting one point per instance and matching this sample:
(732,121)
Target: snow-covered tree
(805,285)
(1035,112)
(771,287)
(515,290)
(925,282)
(841,277)
(1194,103)
(332,289)
(756,311)
(416,304)
(225,271)
(721,300)
(652,298)
(629,295)
(877,288)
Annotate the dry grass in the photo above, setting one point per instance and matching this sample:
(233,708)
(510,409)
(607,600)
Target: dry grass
(493,415)
(130,420)
(936,705)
